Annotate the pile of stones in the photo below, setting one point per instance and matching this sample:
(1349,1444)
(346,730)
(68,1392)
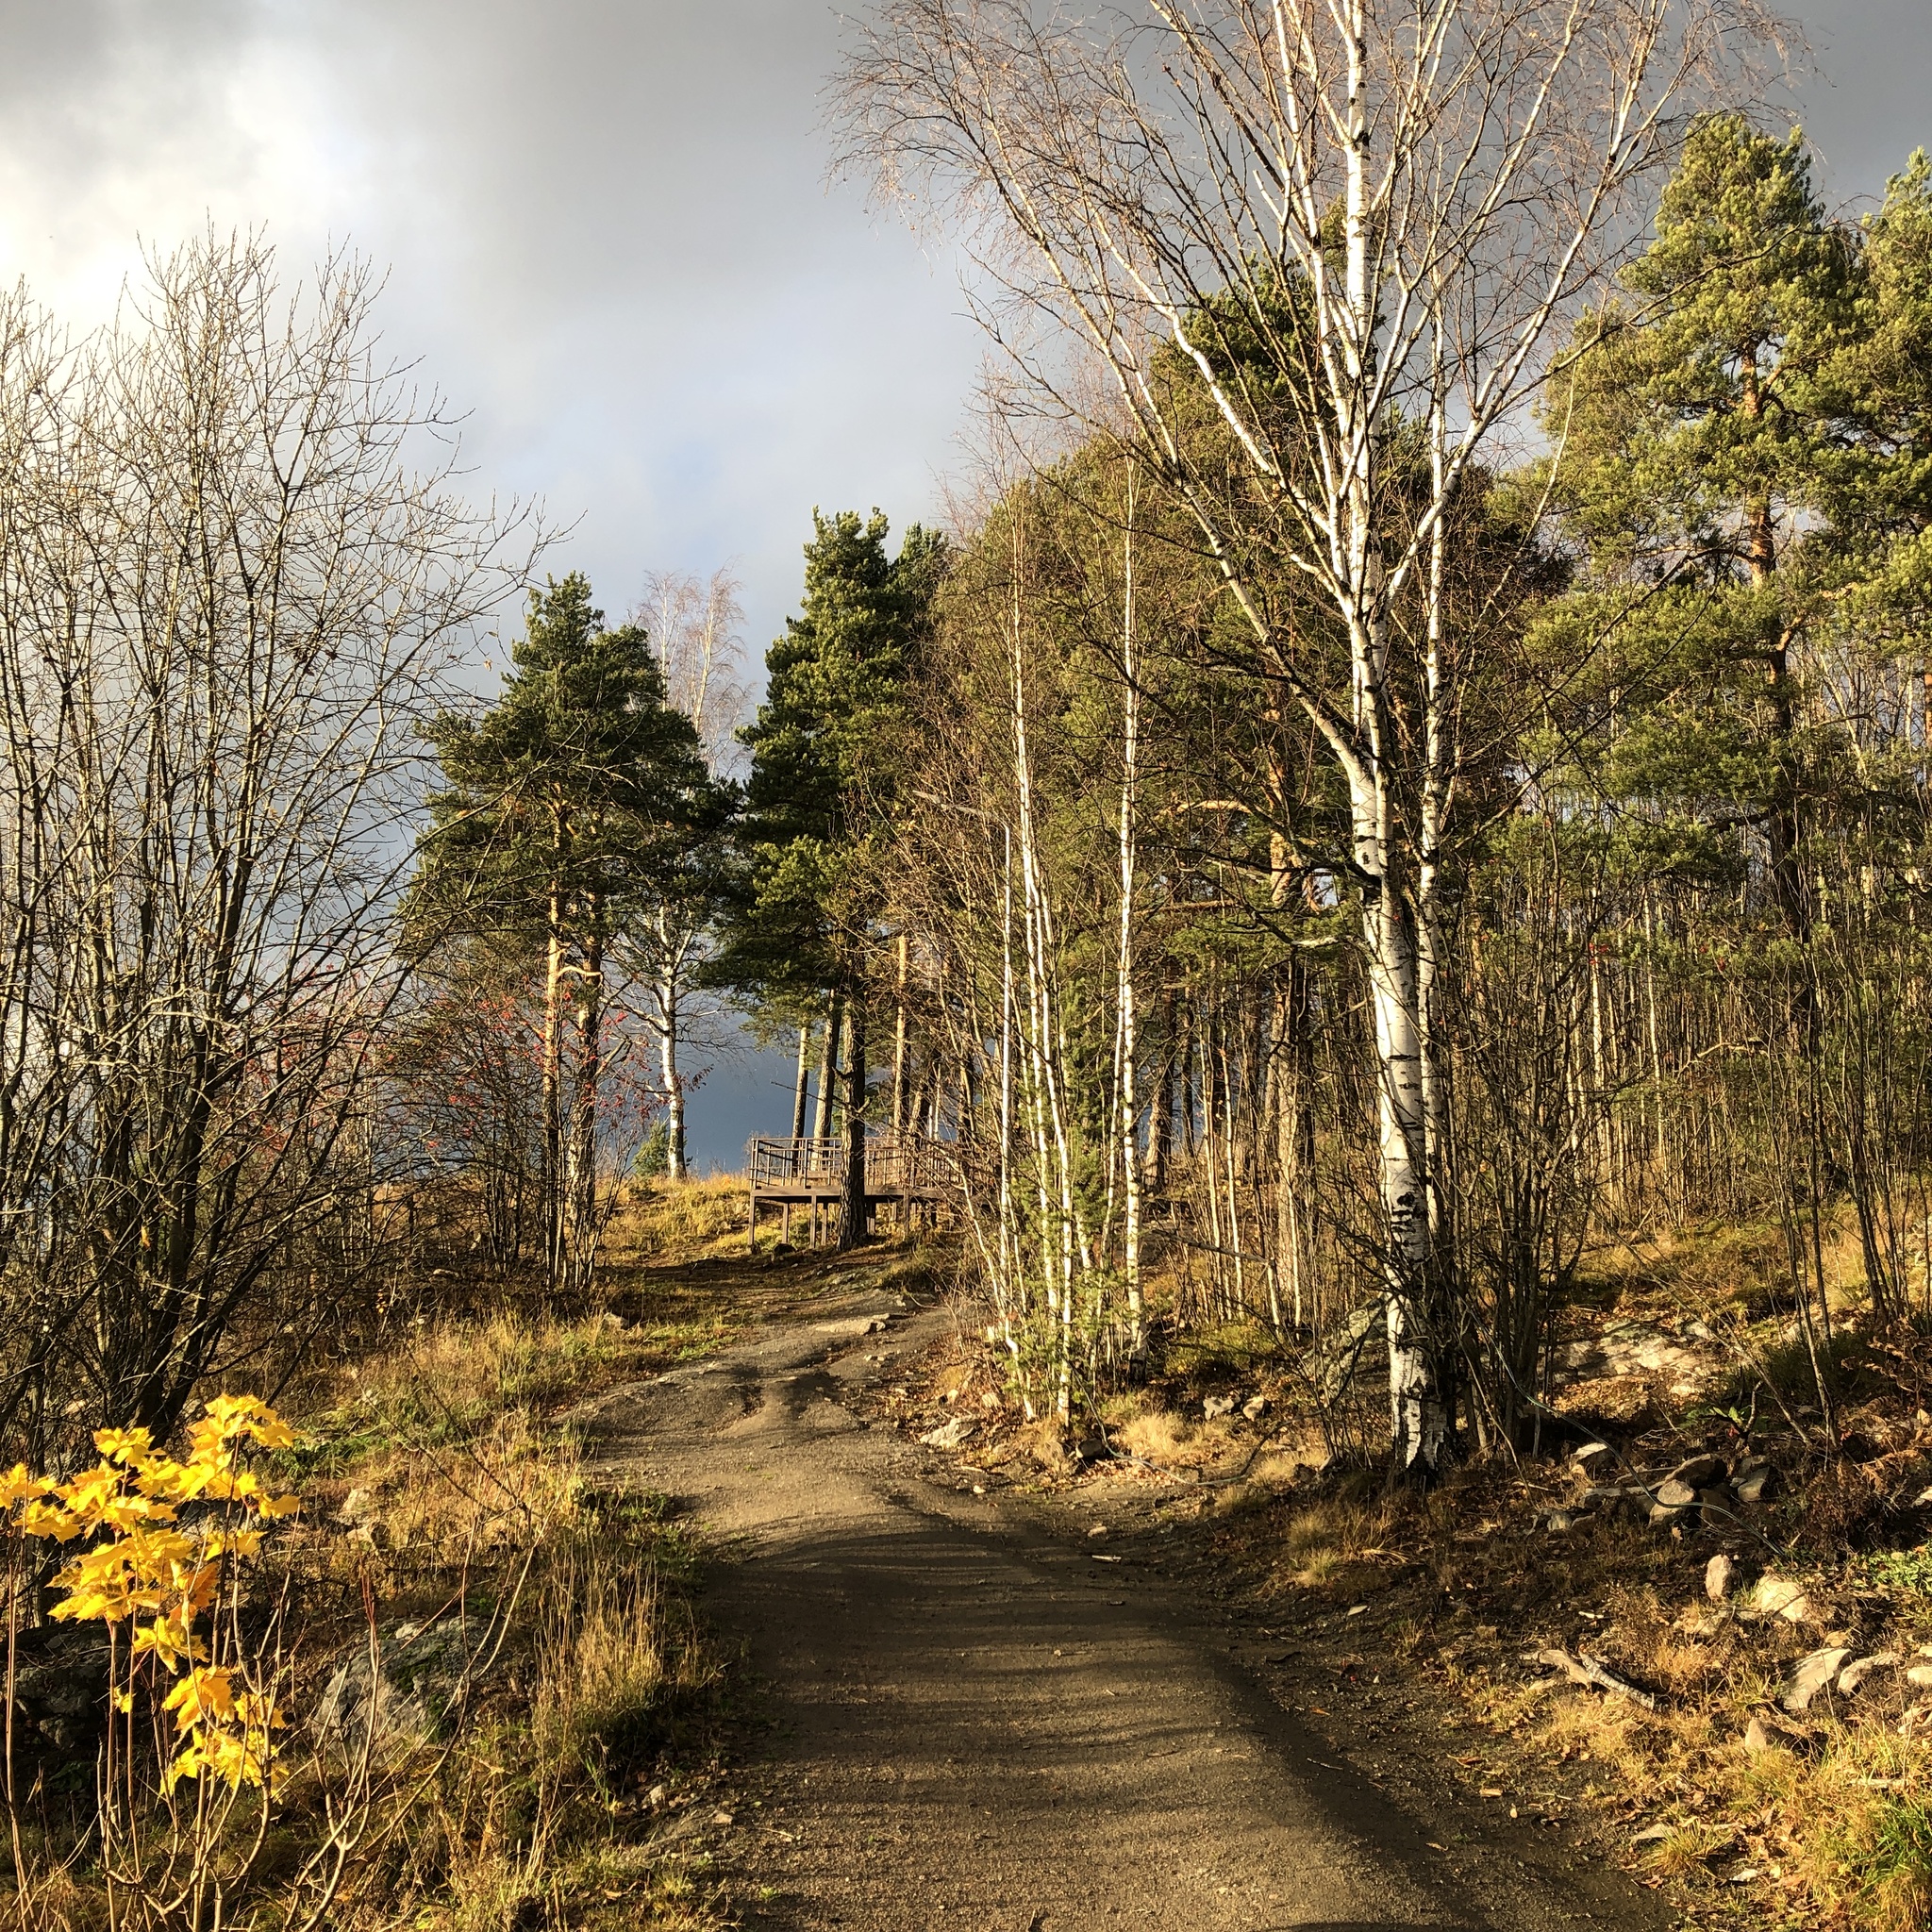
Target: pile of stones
(1707,1489)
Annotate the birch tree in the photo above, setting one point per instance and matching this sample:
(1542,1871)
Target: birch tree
(1338,228)
(694,627)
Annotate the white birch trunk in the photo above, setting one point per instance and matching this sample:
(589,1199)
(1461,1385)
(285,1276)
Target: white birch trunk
(1128,1093)
(798,1088)
(1418,1418)
(828,1072)
(667,1069)
(899,1042)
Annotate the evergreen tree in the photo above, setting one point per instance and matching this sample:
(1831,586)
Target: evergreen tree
(1877,491)
(822,783)
(1698,441)
(569,805)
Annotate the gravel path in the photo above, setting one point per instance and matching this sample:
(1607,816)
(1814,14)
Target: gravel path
(977,1722)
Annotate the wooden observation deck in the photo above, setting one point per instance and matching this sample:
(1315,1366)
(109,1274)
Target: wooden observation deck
(911,1170)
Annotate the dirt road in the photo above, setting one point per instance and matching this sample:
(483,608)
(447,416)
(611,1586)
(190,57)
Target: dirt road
(979,1722)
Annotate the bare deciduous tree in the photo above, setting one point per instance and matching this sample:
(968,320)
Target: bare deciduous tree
(232,572)
(694,627)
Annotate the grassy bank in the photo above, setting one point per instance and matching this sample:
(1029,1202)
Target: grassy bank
(500,1709)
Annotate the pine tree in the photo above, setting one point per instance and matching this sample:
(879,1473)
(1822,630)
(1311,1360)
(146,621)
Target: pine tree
(1697,439)
(568,806)
(1878,490)
(823,781)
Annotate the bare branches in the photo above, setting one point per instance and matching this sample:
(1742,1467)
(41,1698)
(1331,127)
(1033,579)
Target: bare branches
(233,570)
(695,629)
(1141,175)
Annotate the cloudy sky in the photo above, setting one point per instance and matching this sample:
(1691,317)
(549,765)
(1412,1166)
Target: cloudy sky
(606,225)
(609,240)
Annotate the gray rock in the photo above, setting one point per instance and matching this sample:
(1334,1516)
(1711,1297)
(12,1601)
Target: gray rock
(952,1435)
(1625,1347)
(1753,1486)
(1673,1494)
(1779,1596)
(1255,1407)
(1813,1675)
(1855,1672)
(1701,1471)
(420,1672)
(60,1685)
(1217,1406)
(1717,1576)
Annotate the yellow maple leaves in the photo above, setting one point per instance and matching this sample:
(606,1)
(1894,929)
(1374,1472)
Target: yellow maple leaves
(147,1568)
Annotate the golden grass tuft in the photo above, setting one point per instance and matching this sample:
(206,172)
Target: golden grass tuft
(1324,1543)
(684,1221)
(606,1661)
(1160,1436)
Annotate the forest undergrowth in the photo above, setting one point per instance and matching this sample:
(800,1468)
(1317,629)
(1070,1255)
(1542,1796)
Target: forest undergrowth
(545,1708)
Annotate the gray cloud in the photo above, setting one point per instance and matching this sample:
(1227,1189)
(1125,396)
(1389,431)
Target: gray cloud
(607,227)
(1869,101)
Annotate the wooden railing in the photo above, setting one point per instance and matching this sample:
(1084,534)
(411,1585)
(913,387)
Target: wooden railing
(908,1163)
(808,1172)
(895,1164)
(801,1163)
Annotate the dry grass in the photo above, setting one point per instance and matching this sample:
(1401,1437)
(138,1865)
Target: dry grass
(1162,1437)
(452,1382)
(442,1476)
(612,1655)
(1834,1831)
(1327,1543)
(688,1221)
(1140,1423)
